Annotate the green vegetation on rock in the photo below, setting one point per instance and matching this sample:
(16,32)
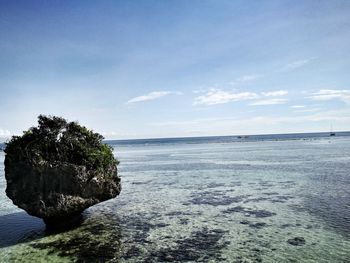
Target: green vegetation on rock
(57,141)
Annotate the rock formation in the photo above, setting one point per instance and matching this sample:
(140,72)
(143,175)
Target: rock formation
(58,169)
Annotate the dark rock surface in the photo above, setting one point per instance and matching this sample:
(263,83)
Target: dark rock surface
(61,192)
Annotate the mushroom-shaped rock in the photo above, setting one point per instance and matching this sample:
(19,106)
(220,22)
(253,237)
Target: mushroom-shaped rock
(58,169)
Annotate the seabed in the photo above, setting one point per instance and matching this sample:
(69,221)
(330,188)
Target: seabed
(267,201)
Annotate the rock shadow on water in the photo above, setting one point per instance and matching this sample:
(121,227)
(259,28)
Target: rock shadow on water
(96,240)
(19,228)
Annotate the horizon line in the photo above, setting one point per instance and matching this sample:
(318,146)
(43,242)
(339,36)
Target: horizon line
(209,136)
(4,139)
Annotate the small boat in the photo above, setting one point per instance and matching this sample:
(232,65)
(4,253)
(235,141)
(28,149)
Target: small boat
(331,133)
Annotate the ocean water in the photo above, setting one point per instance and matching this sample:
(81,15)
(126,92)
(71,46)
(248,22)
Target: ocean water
(217,199)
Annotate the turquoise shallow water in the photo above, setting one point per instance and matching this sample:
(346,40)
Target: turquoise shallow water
(241,201)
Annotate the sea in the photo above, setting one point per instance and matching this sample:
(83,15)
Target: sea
(263,198)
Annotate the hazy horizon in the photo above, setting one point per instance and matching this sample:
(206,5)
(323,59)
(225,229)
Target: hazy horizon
(155,69)
(3,140)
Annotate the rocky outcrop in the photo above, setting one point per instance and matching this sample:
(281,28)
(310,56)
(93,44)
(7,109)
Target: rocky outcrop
(58,169)
(58,192)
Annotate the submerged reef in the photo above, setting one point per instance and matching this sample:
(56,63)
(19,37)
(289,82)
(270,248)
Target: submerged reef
(58,169)
(296,241)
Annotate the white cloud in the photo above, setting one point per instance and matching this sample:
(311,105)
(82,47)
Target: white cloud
(297,106)
(246,78)
(330,94)
(217,96)
(5,133)
(151,96)
(197,91)
(275,93)
(295,64)
(307,110)
(274,101)
(269,102)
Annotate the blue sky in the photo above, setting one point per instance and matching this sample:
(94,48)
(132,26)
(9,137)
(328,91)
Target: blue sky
(141,69)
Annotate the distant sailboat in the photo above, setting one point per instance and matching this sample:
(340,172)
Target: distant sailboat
(331,133)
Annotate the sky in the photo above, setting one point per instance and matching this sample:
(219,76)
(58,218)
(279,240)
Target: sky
(150,69)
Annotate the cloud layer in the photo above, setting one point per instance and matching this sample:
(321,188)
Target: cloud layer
(268,102)
(217,96)
(296,64)
(246,78)
(330,94)
(275,93)
(151,96)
